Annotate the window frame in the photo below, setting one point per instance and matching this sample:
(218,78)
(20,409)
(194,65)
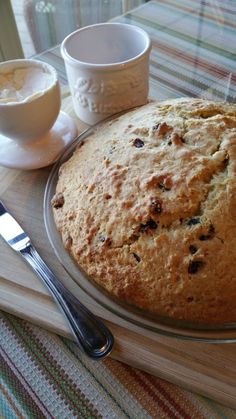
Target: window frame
(10,45)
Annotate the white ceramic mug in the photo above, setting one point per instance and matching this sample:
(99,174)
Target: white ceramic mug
(107,68)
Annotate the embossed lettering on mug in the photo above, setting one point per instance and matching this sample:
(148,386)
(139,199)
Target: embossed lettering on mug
(104,108)
(84,85)
(85,89)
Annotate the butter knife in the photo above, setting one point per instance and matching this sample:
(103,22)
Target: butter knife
(93,337)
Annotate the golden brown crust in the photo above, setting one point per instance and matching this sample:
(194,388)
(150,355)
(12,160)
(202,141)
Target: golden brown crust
(147,208)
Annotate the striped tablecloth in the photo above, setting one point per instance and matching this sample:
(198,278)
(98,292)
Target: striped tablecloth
(45,376)
(193,48)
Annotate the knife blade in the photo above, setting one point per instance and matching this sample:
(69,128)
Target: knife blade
(11,231)
(93,337)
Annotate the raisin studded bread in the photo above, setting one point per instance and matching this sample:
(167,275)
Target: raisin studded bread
(147,207)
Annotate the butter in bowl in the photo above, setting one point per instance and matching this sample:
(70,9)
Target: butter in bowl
(33,131)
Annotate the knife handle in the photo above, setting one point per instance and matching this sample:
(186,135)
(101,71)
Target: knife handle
(91,334)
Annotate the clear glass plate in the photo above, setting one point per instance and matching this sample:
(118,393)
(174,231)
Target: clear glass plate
(163,326)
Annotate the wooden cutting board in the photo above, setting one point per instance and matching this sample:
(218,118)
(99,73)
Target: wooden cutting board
(208,369)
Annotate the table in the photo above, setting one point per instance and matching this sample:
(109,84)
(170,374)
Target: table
(44,375)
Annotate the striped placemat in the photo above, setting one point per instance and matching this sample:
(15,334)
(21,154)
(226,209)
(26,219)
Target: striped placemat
(45,376)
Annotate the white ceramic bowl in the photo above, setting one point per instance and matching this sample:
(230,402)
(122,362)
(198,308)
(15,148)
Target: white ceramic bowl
(27,120)
(107,69)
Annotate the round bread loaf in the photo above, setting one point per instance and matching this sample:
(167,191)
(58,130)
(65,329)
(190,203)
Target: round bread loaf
(147,208)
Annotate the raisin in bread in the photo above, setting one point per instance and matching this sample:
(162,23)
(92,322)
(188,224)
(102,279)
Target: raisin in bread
(147,207)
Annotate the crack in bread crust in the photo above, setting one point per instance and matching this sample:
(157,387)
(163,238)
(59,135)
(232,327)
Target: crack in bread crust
(147,208)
